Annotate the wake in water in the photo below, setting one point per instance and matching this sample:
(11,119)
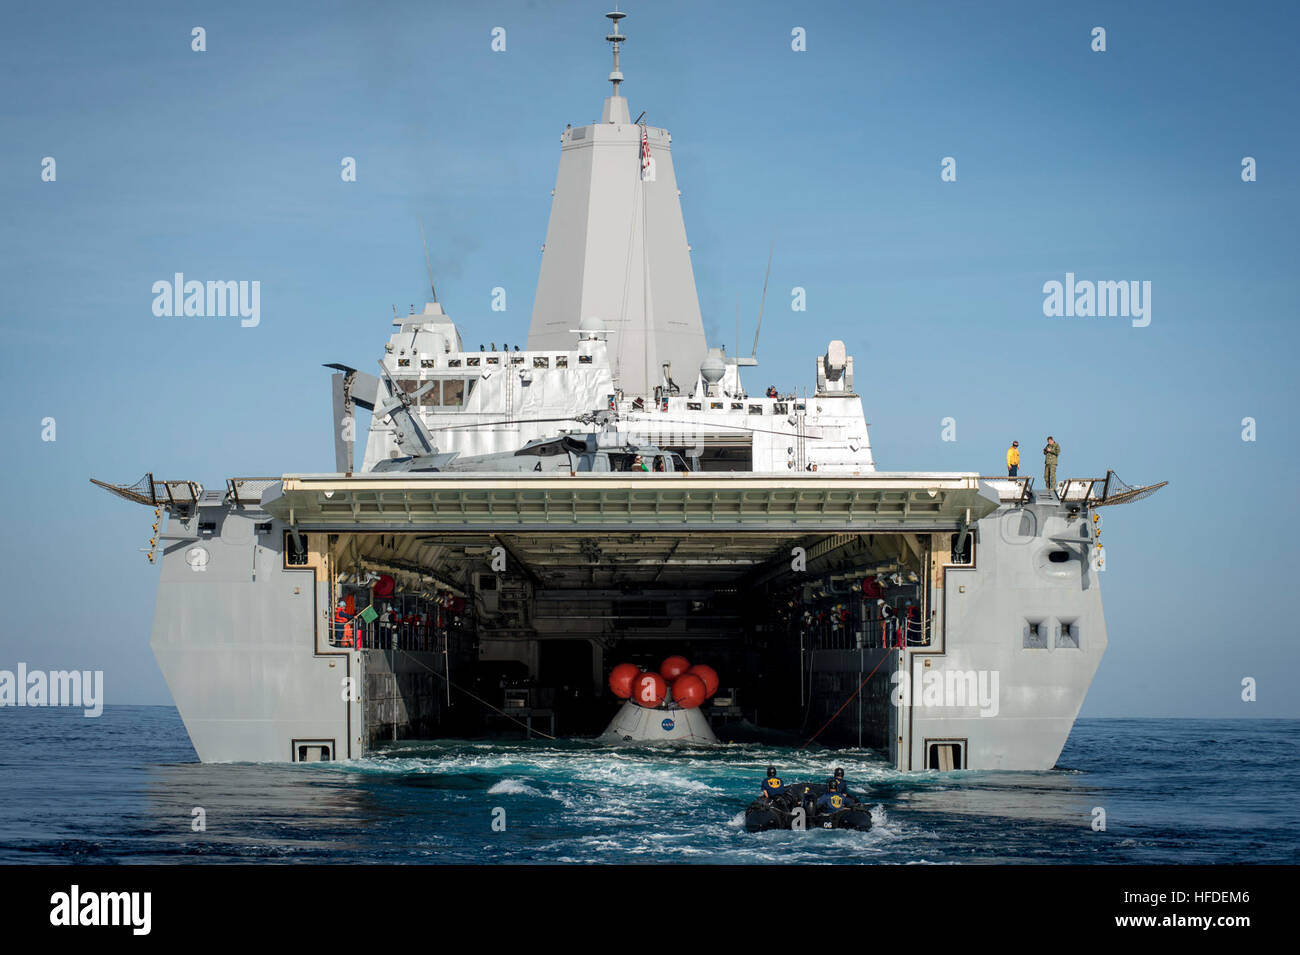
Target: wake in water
(126,792)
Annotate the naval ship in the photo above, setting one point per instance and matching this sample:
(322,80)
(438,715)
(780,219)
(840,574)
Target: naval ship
(525,519)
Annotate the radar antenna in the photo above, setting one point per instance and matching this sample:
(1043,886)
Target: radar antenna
(763,301)
(427,264)
(615,38)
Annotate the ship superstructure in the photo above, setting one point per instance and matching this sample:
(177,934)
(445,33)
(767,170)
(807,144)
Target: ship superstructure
(521,518)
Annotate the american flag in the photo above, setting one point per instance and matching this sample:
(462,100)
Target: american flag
(646,173)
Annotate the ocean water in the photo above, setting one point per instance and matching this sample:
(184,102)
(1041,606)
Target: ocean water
(124,787)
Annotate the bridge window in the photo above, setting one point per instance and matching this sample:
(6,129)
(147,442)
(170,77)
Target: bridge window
(1035,634)
(433,397)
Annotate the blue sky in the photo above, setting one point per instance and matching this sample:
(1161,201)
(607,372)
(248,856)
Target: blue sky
(1123,165)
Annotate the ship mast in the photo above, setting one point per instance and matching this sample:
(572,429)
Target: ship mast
(614,37)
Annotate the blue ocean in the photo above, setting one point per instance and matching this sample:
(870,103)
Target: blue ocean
(125,788)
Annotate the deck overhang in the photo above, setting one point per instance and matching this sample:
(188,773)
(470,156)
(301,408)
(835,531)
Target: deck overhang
(869,502)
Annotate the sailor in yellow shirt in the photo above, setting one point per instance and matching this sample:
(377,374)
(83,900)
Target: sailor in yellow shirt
(1013,459)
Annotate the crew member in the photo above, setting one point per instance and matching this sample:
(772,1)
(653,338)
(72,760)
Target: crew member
(342,625)
(834,799)
(772,785)
(912,622)
(1050,454)
(638,464)
(1013,459)
(838,781)
(771,391)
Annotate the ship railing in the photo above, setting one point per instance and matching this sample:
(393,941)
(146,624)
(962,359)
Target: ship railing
(246,491)
(1015,489)
(870,632)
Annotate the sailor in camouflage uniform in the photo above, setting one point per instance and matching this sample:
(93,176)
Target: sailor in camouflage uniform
(1050,454)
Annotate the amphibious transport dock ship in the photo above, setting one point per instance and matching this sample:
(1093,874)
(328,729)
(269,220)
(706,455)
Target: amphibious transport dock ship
(523,519)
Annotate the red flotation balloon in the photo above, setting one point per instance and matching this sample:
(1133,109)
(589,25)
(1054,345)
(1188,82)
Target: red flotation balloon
(649,689)
(674,667)
(384,586)
(621,677)
(689,691)
(707,674)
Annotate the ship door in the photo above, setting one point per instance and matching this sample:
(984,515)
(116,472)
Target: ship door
(313,750)
(945,754)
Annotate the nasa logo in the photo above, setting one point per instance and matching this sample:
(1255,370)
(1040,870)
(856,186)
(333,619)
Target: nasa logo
(668,725)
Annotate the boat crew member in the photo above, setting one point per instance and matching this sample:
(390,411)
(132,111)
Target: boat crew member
(771,391)
(1013,459)
(1050,454)
(834,799)
(638,464)
(772,785)
(838,781)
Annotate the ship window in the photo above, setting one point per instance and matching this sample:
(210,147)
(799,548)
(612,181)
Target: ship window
(433,397)
(456,391)
(1067,635)
(1035,635)
(516,359)
(493,360)
(780,407)
(1059,556)
(453,362)
(584,359)
(715,405)
(755,409)
(427,362)
(542,361)
(562,361)
(403,363)
(472,362)
(737,406)
(799,406)
(692,406)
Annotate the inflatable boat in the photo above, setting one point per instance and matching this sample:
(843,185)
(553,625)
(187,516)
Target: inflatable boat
(781,812)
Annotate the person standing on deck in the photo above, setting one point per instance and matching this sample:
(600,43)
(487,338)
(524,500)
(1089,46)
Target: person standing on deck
(1013,459)
(1050,455)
